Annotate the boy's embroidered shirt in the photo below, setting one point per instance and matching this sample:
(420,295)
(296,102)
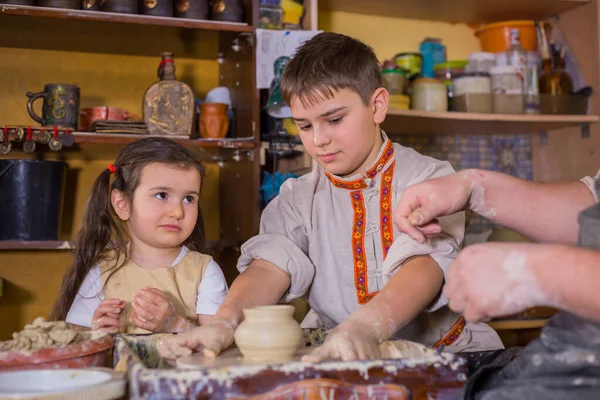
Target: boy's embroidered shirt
(336,237)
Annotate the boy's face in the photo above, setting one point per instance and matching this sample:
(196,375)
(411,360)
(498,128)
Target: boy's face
(341,133)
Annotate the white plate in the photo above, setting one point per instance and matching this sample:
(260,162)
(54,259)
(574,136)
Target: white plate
(49,383)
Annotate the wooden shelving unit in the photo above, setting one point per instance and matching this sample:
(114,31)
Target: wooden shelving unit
(66,245)
(512,324)
(457,10)
(449,123)
(99,16)
(120,139)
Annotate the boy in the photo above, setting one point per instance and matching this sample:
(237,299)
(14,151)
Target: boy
(329,235)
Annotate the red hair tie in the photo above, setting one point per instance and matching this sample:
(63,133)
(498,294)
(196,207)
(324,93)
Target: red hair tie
(112,168)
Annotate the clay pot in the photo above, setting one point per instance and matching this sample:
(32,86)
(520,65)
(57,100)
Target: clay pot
(214,121)
(269,333)
(70,4)
(157,8)
(120,6)
(227,11)
(193,9)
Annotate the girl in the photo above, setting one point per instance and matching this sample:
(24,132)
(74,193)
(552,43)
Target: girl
(139,266)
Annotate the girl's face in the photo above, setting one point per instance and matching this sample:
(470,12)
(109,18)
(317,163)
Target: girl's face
(164,207)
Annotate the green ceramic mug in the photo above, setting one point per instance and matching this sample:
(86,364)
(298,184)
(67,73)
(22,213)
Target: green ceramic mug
(60,107)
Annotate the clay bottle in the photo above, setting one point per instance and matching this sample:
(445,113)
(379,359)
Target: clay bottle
(168,104)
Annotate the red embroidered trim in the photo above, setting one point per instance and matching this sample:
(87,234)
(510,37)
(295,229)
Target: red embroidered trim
(358,249)
(453,333)
(385,207)
(352,185)
(358,184)
(387,155)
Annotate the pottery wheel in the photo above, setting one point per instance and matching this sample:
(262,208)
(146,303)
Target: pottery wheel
(233,357)
(390,349)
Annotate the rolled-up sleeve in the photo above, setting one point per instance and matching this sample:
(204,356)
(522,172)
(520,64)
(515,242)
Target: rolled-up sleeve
(443,248)
(283,238)
(592,184)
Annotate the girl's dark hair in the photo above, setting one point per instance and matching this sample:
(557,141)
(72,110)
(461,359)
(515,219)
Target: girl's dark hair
(102,231)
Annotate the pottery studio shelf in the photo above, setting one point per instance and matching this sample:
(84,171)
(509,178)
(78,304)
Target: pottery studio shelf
(456,10)
(510,324)
(83,15)
(69,245)
(453,123)
(122,139)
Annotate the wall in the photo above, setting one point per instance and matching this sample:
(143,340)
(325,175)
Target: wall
(389,36)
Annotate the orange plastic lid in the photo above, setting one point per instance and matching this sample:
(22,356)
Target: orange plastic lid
(526,23)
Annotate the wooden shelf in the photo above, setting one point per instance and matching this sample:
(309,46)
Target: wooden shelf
(106,138)
(511,324)
(69,245)
(456,123)
(456,10)
(58,13)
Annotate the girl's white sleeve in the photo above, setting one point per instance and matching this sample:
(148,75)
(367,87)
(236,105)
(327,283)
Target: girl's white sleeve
(87,299)
(212,290)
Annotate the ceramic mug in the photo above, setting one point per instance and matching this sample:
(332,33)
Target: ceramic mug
(214,121)
(60,107)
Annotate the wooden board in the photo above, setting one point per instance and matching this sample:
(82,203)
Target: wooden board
(456,10)
(85,15)
(70,245)
(517,324)
(566,155)
(115,138)
(454,123)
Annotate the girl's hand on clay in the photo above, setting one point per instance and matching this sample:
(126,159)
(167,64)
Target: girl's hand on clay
(421,203)
(153,311)
(348,341)
(107,316)
(492,280)
(211,339)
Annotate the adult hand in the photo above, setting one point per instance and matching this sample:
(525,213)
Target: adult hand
(492,280)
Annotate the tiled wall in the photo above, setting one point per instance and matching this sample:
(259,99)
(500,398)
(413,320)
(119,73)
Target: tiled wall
(510,154)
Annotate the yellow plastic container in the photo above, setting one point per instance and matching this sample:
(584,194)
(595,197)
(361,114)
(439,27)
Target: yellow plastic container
(399,102)
(495,38)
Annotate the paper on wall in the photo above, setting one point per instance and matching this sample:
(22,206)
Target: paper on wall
(272,44)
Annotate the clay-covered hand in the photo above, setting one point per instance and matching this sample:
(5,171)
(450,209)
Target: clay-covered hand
(492,280)
(349,341)
(423,202)
(107,316)
(211,339)
(153,311)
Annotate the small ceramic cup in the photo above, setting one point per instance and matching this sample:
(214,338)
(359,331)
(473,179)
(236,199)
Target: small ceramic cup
(214,121)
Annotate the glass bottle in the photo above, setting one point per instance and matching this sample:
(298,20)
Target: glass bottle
(168,104)
(516,54)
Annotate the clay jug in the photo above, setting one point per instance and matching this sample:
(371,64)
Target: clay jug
(269,333)
(214,121)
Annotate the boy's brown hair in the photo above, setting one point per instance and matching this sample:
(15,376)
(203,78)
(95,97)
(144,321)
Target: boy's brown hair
(327,63)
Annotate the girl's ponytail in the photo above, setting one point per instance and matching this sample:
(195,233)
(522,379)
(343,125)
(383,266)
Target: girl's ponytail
(92,238)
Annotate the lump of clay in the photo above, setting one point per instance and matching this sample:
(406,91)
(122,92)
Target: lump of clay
(42,334)
(403,349)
